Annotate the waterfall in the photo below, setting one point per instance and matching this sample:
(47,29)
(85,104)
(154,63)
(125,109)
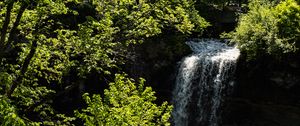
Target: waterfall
(202,80)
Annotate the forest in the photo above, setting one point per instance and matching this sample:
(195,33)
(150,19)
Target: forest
(114,62)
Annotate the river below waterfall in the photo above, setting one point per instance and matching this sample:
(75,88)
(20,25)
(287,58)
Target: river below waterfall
(203,79)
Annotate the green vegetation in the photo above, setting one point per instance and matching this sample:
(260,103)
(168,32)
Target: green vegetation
(269,28)
(8,114)
(49,47)
(125,104)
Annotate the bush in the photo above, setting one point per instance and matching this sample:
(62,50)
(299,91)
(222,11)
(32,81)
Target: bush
(268,28)
(8,116)
(125,104)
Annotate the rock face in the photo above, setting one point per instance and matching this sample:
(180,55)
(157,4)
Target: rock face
(222,20)
(156,60)
(267,93)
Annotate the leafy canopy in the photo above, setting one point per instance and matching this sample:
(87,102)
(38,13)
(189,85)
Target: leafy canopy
(43,42)
(268,28)
(125,103)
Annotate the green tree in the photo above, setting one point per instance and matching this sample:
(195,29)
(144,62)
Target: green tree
(288,15)
(268,28)
(39,49)
(8,116)
(25,29)
(125,103)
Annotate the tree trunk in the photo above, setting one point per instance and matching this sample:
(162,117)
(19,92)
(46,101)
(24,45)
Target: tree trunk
(23,70)
(13,31)
(6,23)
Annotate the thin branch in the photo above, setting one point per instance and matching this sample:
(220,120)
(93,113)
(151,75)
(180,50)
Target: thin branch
(50,97)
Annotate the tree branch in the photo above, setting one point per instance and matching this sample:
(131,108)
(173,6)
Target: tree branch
(50,97)
(23,70)
(13,31)
(6,23)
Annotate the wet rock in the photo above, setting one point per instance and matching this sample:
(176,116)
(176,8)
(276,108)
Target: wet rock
(266,94)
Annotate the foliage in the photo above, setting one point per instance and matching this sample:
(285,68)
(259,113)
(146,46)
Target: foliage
(220,4)
(268,28)
(180,13)
(288,14)
(39,49)
(125,103)
(8,116)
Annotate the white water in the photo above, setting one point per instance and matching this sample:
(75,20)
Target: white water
(202,81)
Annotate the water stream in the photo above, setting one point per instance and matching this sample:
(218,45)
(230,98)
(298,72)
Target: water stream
(203,79)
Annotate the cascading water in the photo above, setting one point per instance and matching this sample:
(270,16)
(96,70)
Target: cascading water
(202,81)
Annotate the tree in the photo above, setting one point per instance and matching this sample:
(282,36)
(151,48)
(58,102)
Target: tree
(125,103)
(8,116)
(39,49)
(268,28)
(24,59)
(288,15)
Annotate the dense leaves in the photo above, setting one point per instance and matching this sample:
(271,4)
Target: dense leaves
(125,103)
(41,53)
(8,116)
(268,28)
